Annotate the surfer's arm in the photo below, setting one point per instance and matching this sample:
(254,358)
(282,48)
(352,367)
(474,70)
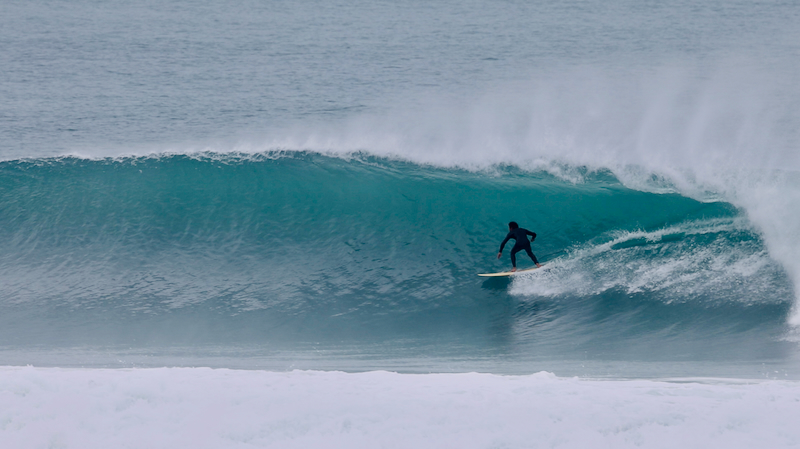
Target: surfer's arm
(502,245)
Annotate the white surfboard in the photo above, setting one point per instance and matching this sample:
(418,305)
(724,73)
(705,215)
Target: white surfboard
(508,273)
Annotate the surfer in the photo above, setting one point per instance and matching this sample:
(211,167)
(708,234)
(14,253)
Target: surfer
(520,235)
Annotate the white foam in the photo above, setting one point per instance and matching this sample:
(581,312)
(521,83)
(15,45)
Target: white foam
(678,269)
(205,408)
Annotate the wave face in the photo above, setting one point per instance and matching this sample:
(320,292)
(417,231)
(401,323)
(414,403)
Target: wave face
(300,248)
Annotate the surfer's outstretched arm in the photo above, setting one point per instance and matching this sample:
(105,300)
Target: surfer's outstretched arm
(508,237)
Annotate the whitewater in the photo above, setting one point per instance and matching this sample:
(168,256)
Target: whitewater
(260,224)
(160,408)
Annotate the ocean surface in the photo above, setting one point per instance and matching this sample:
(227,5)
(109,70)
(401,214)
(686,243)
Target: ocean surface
(314,185)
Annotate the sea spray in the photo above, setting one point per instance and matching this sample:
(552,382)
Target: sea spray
(722,132)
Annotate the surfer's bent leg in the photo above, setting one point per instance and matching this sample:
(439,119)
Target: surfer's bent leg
(514,256)
(530,253)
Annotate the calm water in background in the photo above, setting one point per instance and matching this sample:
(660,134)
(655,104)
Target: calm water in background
(113,77)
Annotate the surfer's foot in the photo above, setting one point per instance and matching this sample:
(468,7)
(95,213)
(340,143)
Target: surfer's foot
(538,266)
(514,269)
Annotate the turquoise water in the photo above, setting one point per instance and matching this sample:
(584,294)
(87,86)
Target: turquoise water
(296,250)
(316,184)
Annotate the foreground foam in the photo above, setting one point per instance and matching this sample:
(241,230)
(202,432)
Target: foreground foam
(200,407)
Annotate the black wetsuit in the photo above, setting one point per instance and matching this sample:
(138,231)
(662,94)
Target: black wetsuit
(521,237)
